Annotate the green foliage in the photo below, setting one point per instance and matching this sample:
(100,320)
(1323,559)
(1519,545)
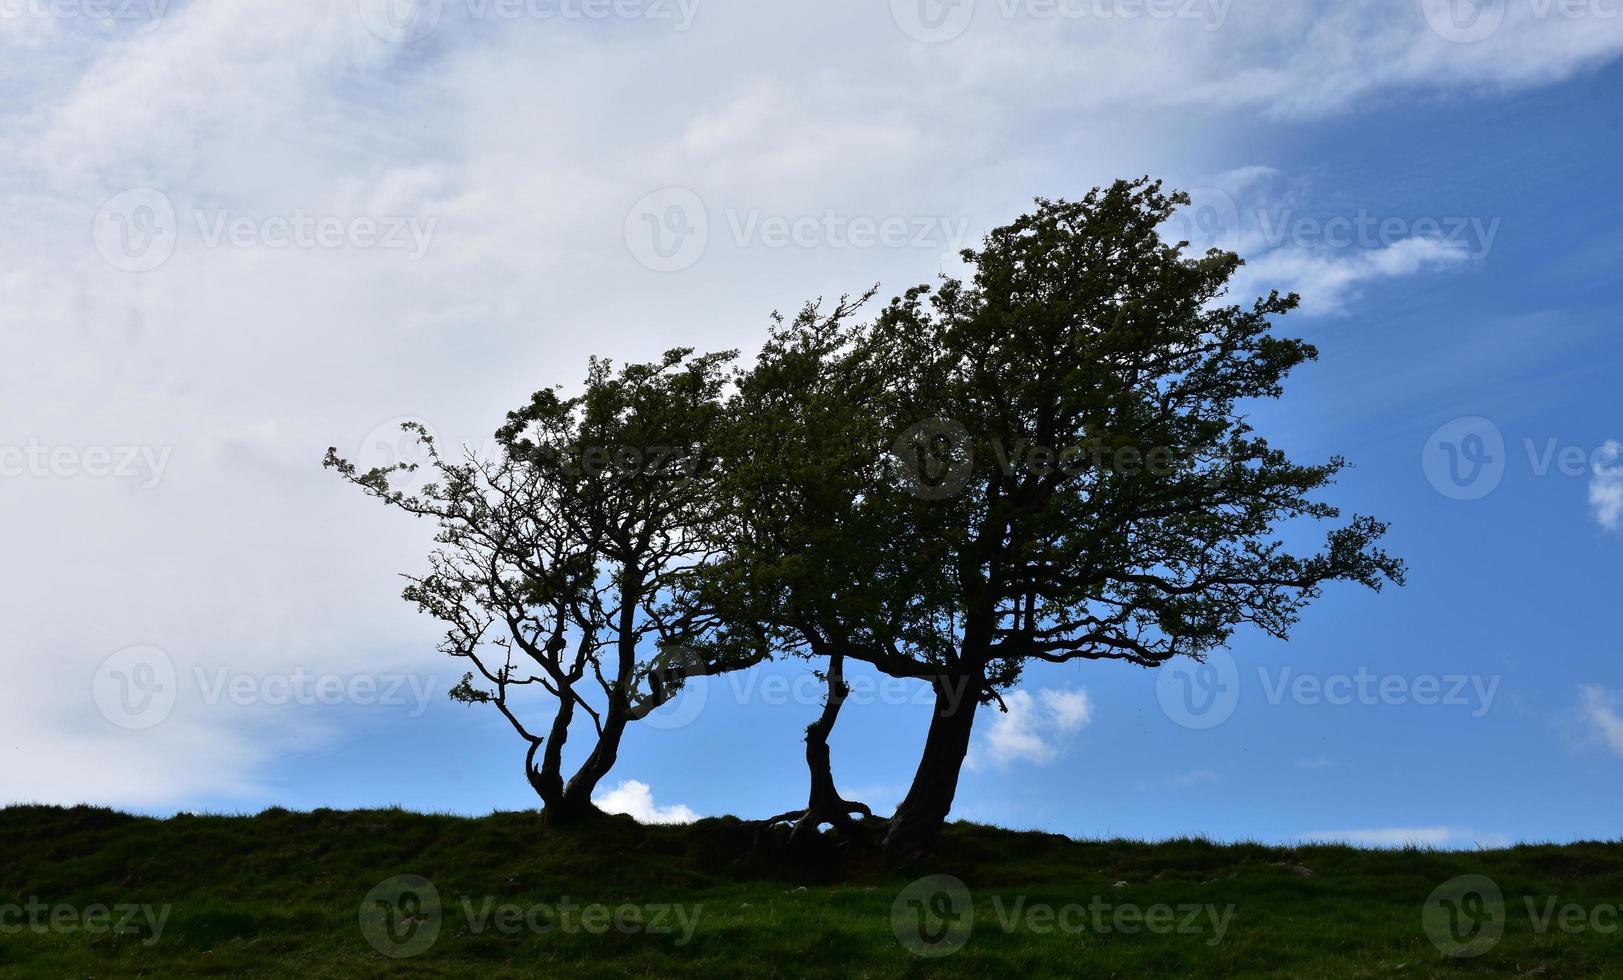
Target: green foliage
(563,565)
(1048,462)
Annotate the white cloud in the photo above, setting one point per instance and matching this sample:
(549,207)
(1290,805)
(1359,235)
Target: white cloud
(1069,709)
(1028,730)
(1600,711)
(1438,837)
(1292,246)
(1328,280)
(1606,486)
(637,799)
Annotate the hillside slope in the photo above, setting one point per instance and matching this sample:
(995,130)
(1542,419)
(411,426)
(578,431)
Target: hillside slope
(91,892)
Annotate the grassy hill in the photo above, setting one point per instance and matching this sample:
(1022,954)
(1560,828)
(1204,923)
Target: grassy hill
(91,892)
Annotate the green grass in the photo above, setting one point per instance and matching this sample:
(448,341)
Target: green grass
(281,894)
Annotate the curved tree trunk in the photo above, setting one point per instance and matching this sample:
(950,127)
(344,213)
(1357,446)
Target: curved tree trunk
(824,803)
(576,803)
(547,780)
(577,795)
(918,821)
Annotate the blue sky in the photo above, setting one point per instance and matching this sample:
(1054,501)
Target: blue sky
(522,154)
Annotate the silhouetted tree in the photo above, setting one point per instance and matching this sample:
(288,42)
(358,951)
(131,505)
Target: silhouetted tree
(796,457)
(564,565)
(1050,462)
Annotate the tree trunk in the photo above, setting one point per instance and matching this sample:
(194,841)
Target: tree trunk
(577,795)
(824,803)
(918,821)
(548,780)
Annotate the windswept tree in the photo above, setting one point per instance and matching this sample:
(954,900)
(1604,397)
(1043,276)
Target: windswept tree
(797,465)
(1049,463)
(563,568)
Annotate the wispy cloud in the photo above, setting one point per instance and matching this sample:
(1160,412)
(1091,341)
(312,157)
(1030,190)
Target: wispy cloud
(1291,246)
(1328,280)
(1599,709)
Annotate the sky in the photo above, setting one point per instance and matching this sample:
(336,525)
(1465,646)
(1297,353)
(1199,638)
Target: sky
(238,233)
